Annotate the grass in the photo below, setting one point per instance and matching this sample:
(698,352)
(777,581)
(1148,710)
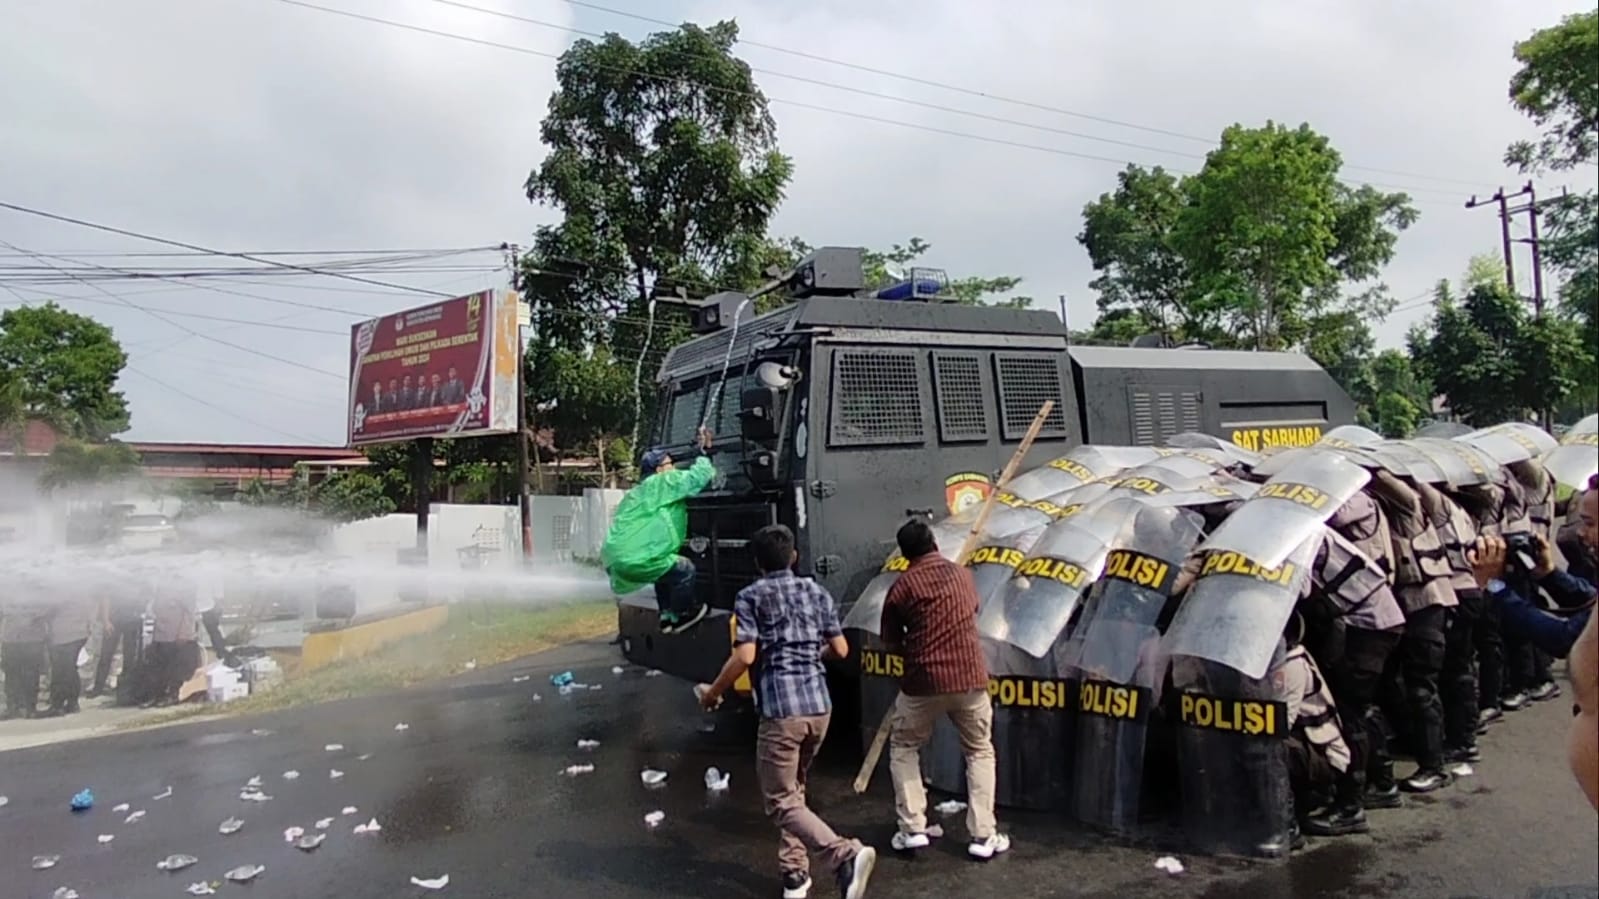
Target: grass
(484,634)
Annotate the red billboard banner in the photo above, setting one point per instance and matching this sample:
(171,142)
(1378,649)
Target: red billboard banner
(443,370)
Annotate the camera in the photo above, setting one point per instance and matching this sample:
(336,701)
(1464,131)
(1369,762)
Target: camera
(1521,552)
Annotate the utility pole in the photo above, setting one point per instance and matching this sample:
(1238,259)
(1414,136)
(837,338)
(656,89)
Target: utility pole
(1504,227)
(1533,210)
(1063,320)
(524,502)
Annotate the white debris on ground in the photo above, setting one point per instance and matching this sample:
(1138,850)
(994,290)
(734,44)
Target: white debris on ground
(230,826)
(106,838)
(201,889)
(293,833)
(291,775)
(402,726)
(588,744)
(333,747)
(43,862)
(363,756)
(176,862)
(64,893)
(324,824)
(254,781)
(654,819)
(335,774)
(652,777)
(245,873)
(348,810)
(716,780)
(118,809)
(309,843)
(537,698)
(259,732)
(653,672)
(369,827)
(254,796)
(616,669)
(436,883)
(575,770)
(1169,865)
(950,807)
(521,678)
(133,816)
(470,665)
(165,794)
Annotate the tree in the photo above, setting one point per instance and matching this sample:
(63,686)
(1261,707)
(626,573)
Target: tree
(339,498)
(1128,236)
(77,464)
(1401,399)
(1556,87)
(1491,359)
(64,369)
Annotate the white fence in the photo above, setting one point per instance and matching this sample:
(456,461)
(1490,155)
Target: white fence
(565,529)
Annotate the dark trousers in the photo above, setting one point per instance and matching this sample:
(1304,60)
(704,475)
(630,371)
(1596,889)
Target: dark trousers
(65,683)
(167,666)
(1524,666)
(1309,772)
(1355,680)
(23,666)
(1488,637)
(129,634)
(674,591)
(1458,682)
(1411,686)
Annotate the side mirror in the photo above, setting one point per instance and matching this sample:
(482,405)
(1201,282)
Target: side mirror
(757,414)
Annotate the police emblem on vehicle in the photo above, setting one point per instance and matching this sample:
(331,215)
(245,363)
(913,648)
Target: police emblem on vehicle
(699,545)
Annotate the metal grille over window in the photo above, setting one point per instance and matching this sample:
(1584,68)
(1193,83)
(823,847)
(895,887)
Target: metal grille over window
(724,419)
(562,539)
(962,414)
(1160,414)
(877,399)
(685,416)
(1025,383)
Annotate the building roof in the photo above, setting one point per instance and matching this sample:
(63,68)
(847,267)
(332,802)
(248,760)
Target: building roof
(1189,359)
(220,473)
(299,453)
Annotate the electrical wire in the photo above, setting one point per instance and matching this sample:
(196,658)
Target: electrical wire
(213,406)
(909,101)
(195,315)
(638,379)
(727,362)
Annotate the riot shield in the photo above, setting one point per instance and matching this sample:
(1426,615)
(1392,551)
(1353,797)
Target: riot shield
(1441,430)
(1288,508)
(1232,758)
(1349,437)
(1445,456)
(1031,610)
(1213,445)
(1032,728)
(1418,465)
(867,612)
(1510,442)
(1217,488)
(1116,662)
(1081,465)
(997,558)
(1576,459)
(1235,611)
(1481,468)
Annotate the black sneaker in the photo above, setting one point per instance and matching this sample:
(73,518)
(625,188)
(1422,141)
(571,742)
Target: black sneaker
(669,623)
(853,874)
(1425,781)
(695,617)
(1515,702)
(1462,754)
(1544,692)
(796,885)
(1385,797)
(1337,822)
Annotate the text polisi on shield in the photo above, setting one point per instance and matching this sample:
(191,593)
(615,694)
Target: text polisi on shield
(1140,570)
(1299,494)
(1057,570)
(1229,562)
(1247,717)
(1050,694)
(1108,700)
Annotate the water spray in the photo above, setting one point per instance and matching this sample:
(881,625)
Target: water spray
(727,362)
(638,378)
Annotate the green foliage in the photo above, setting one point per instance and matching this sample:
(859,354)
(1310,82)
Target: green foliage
(1492,359)
(1256,250)
(1401,399)
(63,368)
(339,498)
(75,464)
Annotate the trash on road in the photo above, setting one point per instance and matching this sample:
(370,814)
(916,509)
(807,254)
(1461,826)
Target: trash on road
(4,802)
(470,665)
(596,686)
(563,679)
(335,774)
(652,777)
(260,732)
(254,781)
(402,726)
(309,843)
(654,819)
(230,826)
(653,672)
(588,744)
(245,873)
(369,827)
(1462,770)
(201,889)
(41,862)
(333,747)
(106,838)
(348,810)
(133,816)
(950,807)
(363,756)
(293,833)
(176,862)
(254,796)
(616,669)
(537,698)
(1169,865)
(521,678)
(436,883)
(575,770)
(164,794)
(83,801)
(291,775)
(119,808)
(716,780)
(324,824)
(64,893)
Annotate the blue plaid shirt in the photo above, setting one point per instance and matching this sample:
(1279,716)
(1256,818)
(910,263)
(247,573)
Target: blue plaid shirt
(789,619)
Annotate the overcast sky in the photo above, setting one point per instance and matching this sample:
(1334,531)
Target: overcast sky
(258,125)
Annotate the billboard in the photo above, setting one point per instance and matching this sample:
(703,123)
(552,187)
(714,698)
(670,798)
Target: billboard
(447,369)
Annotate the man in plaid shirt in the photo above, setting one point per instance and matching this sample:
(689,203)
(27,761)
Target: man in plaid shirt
(786,626)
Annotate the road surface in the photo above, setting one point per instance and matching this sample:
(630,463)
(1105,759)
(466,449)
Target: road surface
(474,788)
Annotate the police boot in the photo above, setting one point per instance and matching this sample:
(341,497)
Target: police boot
(1381,791)
(1425,780)
(1345,816)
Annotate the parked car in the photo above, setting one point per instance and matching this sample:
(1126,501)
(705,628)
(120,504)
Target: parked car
(150,531)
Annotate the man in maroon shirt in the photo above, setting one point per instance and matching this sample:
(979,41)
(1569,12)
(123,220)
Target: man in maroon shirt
(930,618)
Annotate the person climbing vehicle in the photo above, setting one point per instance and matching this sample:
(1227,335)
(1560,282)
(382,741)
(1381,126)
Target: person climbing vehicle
(650,527)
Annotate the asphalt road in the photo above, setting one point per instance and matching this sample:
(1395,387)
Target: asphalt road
(474,788)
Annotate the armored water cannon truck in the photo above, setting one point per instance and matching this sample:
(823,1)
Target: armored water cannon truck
(847,410)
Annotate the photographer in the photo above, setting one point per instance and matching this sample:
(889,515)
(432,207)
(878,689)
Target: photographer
(1551,633)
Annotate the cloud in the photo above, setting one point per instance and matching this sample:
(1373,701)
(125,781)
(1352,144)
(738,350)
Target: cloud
(261,125)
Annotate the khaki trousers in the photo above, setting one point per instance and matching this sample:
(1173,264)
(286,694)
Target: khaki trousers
(914,716)
(784,750)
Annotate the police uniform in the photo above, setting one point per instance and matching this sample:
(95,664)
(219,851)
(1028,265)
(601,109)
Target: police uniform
(24,628)
(1458,681)
(1318,754)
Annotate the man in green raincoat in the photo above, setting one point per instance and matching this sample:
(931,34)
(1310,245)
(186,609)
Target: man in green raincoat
(651,524)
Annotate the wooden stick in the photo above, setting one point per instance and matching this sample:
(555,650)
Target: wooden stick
(875,752)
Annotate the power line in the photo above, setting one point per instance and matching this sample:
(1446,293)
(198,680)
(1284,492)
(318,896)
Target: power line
(195,315)
(189,246)
(213,406)
(932,83)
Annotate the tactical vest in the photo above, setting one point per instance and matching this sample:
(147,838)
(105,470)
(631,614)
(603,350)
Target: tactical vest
(1513,518)
(1455,529)
(1362,522)
(1351,584)
(1483,503)
(1421,567)
(1318,713)
(1538,496)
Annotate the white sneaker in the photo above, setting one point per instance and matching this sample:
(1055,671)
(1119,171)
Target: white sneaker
(990,847)
(905,842)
